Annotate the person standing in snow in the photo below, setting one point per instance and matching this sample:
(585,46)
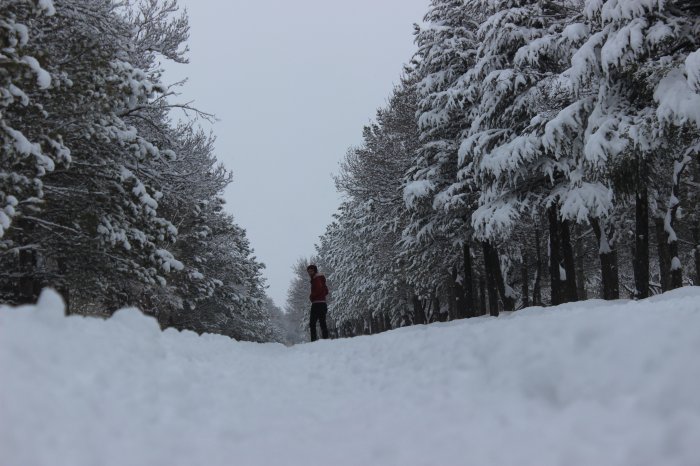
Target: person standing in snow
(319,308)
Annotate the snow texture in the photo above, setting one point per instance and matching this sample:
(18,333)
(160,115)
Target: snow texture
(676,264)
(677,102)
(592,383)
(692,69)
(47,6)
(43,77)
(584,200)
(416,189)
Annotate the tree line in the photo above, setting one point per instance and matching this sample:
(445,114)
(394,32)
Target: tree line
(534,152)
(103,195)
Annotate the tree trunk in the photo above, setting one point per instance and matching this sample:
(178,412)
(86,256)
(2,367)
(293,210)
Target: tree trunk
(537,287)
(469,303)
(608,260)
(555,274)
(454,304)
(569,262)
(673,205)
(676,266)
(491,278)
(580,272)
(506,298)
(663,253)
(418,314)
(434,314)
(641,243)
(28,285)
(437,312)
(525,278)
(378,324)
(497,275)
(482,296)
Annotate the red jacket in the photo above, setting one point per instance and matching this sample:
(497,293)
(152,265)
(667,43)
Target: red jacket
(319,290)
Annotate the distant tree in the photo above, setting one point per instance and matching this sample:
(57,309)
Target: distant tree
(284,329)
(297,305)
(361,249)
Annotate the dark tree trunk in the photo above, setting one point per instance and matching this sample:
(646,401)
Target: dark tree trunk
(554,257)
(491,278)
(569,262)
(673,205)
(676,267)
(438,316)
(663,253)
(468,285)
(494,266)
(580,272)
(378,324)
(525,278)
(537,287)
(608,260)
(418,314)
(641,243)
(454,304)
(508,301)
(431,310)
(29,286)
(482,296)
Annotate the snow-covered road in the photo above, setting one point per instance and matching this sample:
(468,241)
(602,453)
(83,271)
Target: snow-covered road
(593,383)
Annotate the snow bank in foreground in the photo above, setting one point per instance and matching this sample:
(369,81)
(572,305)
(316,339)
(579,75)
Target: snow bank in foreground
(594,383)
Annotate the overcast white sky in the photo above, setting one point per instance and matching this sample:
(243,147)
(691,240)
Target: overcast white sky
(292,83)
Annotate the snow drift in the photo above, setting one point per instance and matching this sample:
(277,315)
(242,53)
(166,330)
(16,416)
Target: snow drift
(593,383)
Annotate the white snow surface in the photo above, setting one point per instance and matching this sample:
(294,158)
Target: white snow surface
(593,383)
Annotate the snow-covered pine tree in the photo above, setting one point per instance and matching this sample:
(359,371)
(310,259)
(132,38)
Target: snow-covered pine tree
(516,55)
(437,240)
(192,187)
(98,222)
(633,68)
(235,306)
(297,305)
(283,329)
(220,287)
(28,148)
(361,247)
(346,246)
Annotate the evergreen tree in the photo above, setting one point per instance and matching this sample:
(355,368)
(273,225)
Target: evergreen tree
(103,197)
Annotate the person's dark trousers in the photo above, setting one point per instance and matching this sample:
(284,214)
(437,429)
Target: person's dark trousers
(318,313)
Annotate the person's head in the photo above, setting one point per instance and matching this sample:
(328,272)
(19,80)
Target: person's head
(312,270)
